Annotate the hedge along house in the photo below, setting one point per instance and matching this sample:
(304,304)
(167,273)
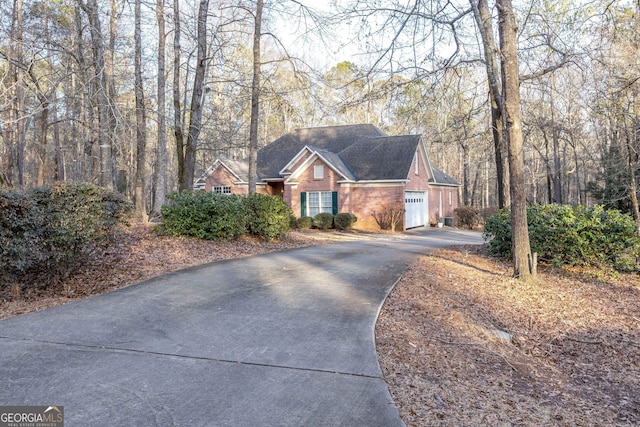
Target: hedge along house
(354,168)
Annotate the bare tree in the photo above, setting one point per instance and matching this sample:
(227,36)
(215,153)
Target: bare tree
(101,85)
(524,267)
(141,123)
(187,148)
(161,147)
(482,14)
(255,99)
(19,113)
(177,109)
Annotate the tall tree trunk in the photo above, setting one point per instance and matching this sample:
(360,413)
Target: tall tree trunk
(20,112)
(482,15)
(111,87)
(141,123)
(255,100)
(522,261)
(557,172)
(44,103)
(44,129)
(60,172)
(195,120)
(81,108)
(547,164)
(161,151)
(466,165)
(9,130)
(177,110)
(632,166)
(101,94)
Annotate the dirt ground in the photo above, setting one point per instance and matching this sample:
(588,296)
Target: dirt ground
(460,342)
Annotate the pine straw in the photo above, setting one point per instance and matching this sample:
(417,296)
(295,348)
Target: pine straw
(573,359)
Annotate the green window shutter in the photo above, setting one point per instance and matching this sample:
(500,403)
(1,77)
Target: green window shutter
(303,204)
(334,202)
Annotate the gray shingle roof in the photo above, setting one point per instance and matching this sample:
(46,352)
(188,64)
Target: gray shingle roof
(275,156)
(239,167)
(336,161)
(359,152)
(381,158)
(442,178)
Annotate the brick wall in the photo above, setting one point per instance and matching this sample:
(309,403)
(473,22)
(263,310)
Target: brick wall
(222,177)
(449,197)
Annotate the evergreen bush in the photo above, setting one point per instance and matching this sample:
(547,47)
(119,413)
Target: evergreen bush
(577,235)
(204,215)
(344,221)
(323,221)
(78,220)
(267,217)
(20,225)
(52,231)
(214,216)
(305,222)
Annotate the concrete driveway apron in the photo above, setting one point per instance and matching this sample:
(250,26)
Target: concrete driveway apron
(283,339)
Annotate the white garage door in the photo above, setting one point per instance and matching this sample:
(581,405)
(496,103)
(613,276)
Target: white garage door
(415,206)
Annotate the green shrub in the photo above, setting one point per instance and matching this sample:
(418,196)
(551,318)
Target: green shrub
(323,221)
(293,222)
(204,215)
(571,235)
(213,216)
(305,222)
(344,221)
(78,220)
(19,228)
(52,231)
(467,217)
(267,217)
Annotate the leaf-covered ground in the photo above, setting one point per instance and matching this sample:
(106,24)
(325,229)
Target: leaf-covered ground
(460,342)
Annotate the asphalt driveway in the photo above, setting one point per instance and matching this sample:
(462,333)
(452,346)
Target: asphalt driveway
(283,339)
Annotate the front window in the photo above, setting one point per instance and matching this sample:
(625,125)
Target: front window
(320,201)
(222,189)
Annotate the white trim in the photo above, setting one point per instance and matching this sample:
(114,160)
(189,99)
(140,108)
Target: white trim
(295,160)
(321,207)
(308,162)
(227,168)
(438,185)
(372,183)
(426,161)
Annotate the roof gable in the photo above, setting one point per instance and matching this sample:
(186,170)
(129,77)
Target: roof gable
(441,178)
(238,168)
(273,158)
(330,159)
(381,158)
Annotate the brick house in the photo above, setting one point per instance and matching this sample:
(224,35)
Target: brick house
(352,168)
